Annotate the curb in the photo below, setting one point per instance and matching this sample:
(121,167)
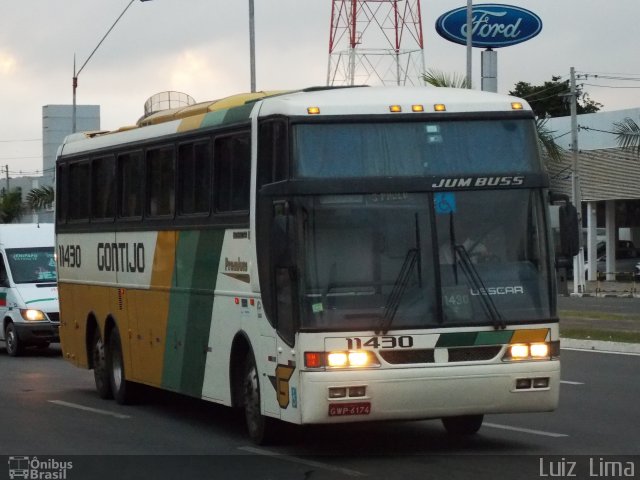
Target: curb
(604,295)
(600,346)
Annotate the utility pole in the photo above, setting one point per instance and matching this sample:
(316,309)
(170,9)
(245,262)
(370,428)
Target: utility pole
(7,172)
(578,260)
(469,42)
(252,46)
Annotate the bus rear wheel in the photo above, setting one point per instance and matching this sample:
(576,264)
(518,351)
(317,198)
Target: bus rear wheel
(121,389)
(463,425)
(262,430)
(100,368)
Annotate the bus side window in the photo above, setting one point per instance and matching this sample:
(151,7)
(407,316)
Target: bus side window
(130,173)
(232,172)
(62,182)
(79,184)
(194,177)
(160,181)
(272,152)
(102,188)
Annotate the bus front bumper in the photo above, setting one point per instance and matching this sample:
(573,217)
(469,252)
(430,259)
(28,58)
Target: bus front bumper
(430,392)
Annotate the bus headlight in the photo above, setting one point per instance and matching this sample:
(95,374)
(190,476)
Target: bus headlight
(343,359)
(353,359)
(532,351)
(519,352)
(32,315)
(539,350)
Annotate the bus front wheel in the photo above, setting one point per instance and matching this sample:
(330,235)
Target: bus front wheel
(261,429)
(463,425)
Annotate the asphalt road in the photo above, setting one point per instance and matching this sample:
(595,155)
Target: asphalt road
(50,410)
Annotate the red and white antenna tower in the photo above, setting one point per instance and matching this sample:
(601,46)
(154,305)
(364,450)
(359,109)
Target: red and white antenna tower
(376,41)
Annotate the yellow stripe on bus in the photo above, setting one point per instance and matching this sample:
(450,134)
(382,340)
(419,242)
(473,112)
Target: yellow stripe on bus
(152,313)
(530,336)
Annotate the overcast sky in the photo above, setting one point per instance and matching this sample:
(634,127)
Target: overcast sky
(201,47)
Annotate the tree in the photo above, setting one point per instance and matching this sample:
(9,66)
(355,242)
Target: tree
(627,134)
(438,78)
(11,207)
(41,197)
(550,99)
(546,140)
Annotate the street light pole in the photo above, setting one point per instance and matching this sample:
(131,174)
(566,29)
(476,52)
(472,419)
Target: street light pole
(76,73)
(252,46)
(469,41)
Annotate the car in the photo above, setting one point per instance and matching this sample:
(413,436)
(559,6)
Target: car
(627,259)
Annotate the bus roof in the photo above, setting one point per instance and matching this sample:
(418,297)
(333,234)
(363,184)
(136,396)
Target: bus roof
(327,101)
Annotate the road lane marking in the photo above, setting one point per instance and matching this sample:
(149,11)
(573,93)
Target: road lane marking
(302,461)
(525,430)
(88,409)
(567,382)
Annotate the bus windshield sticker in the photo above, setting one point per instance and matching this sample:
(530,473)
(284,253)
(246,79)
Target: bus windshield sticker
(433,133)
(445,203)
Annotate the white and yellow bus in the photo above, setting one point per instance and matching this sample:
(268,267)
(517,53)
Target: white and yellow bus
(316,256)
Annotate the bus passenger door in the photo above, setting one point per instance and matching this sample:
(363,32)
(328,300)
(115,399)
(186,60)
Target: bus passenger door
(285,280)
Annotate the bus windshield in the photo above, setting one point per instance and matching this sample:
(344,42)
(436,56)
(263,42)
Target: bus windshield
(406,260)
(32,265)
(415,148)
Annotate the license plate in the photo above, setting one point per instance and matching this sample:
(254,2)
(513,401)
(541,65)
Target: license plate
(347,409)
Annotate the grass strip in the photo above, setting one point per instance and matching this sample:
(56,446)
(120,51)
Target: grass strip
(589,315)
(596,334)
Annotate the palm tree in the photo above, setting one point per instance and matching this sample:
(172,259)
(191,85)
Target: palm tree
(11,207)
(41,197)
(438,78)
(628,134)
(549,147)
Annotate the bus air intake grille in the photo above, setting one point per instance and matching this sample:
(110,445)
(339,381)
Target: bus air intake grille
(396,357)
(474,354)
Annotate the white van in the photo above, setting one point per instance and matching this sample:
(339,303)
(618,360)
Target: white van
(28,287)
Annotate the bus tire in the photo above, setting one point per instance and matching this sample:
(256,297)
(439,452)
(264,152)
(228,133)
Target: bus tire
(463,425)
(100,370)
(262,430)
(121,388)
(14,345)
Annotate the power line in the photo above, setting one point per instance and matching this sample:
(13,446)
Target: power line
(22,140)
(610,86)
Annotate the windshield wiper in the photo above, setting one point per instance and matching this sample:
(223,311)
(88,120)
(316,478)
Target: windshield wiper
(399,287)
(470,271)
(411,259)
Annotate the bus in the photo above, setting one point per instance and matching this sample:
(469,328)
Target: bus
(316,256)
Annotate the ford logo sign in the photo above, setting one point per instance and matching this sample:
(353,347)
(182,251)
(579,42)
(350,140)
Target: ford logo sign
(494,25)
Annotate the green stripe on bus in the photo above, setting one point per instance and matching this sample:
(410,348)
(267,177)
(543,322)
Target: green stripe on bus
(190,310)
(239,114)
(461,339)
(499,337)
(213,119)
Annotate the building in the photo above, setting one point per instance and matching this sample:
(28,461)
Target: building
(609,179)
(57,121)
